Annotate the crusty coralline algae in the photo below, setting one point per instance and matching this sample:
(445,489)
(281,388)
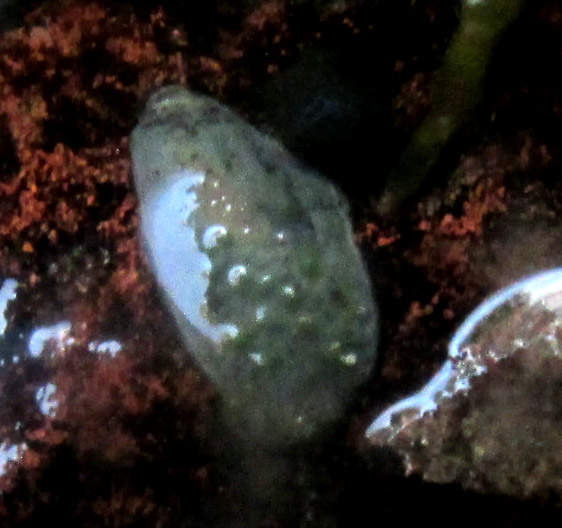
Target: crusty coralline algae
(256,257)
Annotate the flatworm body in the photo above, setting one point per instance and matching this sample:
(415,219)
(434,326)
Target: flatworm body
(255,256)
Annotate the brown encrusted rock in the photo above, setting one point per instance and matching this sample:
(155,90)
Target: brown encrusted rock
(490,418)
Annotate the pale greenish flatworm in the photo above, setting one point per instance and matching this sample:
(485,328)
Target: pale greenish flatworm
(255,256)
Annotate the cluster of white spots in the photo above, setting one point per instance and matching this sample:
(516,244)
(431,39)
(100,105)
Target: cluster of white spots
(236,273)
(227,206)
(260,313)
(57,334)
(212,235)
(280,236)
(257,358)
(554,343)
(44,398)
(265,278)
(110,347)
(467,366)
(226,332)
(461,384)
(361,310)
(288,290)
(10,453)
(7,294)
(15,360)
(246,230)
(349,359)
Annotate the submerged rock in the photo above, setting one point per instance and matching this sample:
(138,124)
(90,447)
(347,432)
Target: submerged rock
(256,258)
(490,418)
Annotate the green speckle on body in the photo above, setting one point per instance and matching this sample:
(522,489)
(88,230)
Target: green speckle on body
(256,257)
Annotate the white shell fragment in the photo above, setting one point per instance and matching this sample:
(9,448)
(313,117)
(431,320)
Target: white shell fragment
(510,319)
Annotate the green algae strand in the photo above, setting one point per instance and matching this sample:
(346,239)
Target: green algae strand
(455,93)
